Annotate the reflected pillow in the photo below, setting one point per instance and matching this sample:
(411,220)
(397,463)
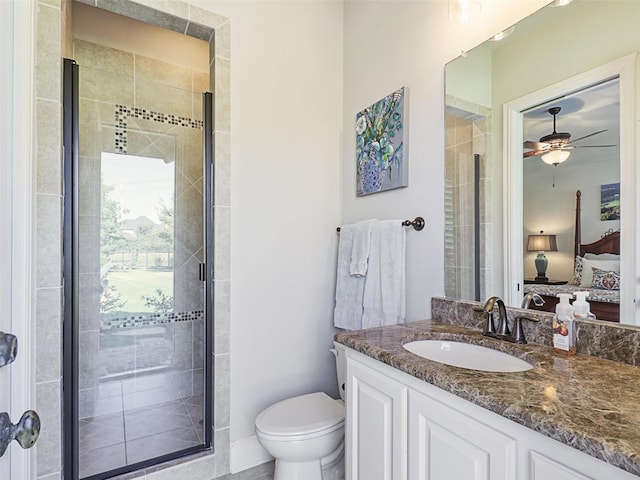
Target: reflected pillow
(577,273)
(602,256)
(605,279)
(589,265)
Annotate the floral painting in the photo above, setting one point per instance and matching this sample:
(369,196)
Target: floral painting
(381,146)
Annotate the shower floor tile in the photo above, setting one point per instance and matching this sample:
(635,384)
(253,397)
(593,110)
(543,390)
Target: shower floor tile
(194,407)
(143,382)
(98,432)
(152,446)
(150,398)
(102,459)
(157,419)
(154,427)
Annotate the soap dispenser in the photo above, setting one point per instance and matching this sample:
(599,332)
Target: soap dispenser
(581,307)
(564,337)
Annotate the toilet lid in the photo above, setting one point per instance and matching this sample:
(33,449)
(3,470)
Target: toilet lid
(301,415)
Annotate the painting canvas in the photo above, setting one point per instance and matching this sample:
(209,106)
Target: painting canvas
(381,145)
(610,201)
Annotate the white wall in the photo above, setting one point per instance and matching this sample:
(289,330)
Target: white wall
(286,104)
(549,196)
(389,44)
(296,85)
(475,64)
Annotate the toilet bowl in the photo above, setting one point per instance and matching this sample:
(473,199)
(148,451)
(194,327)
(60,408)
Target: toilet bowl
(304,433)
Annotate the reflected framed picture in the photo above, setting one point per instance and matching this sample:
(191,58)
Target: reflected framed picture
(610,201)
(381,144)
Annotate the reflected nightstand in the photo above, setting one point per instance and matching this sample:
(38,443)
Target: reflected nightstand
(528,281)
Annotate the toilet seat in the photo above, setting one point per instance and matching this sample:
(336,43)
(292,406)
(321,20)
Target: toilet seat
(303,416)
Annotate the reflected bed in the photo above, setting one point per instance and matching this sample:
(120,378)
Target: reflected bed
(605,302)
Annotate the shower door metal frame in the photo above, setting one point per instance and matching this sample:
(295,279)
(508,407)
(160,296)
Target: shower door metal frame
(70,270)
(209,175)
(70,380)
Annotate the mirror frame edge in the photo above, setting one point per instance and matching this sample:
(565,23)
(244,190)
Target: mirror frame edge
(625,69)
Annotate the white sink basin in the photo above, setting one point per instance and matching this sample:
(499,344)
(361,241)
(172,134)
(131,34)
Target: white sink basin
(467,355)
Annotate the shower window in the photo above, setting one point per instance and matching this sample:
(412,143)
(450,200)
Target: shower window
(136,265)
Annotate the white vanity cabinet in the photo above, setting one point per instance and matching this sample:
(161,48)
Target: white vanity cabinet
(399,427)
(445,443)
(376,430)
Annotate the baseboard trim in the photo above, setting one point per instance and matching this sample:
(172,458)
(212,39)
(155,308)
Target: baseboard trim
(247,453)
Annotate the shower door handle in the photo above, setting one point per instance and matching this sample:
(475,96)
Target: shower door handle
(25,432)
(8,348)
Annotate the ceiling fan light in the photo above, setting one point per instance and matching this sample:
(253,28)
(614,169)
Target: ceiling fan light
(561,3)
(554,157)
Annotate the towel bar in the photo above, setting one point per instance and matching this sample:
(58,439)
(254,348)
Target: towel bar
(417,224)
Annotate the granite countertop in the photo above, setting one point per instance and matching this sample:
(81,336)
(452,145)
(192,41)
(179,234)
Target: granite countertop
(586,402)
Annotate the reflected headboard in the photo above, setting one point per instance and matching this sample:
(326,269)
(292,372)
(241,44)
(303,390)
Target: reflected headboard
(610,243)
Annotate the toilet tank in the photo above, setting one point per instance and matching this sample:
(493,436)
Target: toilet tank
(341,367)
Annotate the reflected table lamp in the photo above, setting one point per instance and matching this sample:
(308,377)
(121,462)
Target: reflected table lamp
(542,243)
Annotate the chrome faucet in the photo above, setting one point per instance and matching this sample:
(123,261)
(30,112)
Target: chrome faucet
(538,301)
(503,332)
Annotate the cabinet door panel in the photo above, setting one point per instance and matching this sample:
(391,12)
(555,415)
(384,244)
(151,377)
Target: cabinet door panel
(376,432)
(452,456)
(543,468)
(445,444)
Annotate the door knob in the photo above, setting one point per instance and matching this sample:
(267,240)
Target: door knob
(8,348)
(25,432)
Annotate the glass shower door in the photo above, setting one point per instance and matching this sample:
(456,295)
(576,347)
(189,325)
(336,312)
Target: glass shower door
(141,289)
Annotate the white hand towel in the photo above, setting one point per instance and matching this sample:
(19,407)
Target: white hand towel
(349,289)
(360,249)
(384,298)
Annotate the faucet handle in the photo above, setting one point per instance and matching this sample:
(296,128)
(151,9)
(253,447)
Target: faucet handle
(518,335)
(490,327)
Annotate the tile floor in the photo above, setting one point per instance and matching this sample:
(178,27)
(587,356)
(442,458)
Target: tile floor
(261,472)
(123,432)
(265,472)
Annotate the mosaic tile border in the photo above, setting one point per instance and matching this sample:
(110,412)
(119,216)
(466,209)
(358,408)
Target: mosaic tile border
(151,319)
(123,113)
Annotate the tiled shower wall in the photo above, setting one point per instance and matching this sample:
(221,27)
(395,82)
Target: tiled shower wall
(52,34)
(467,133)
(144,107)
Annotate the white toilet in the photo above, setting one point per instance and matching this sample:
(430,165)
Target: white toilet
(305,434)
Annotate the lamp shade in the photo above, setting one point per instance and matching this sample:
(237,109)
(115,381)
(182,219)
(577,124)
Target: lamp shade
(542,243)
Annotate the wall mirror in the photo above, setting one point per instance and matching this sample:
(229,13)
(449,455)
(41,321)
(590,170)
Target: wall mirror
(499,190)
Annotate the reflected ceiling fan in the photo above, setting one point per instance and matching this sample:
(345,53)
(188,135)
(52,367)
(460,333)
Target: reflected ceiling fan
(555,146)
